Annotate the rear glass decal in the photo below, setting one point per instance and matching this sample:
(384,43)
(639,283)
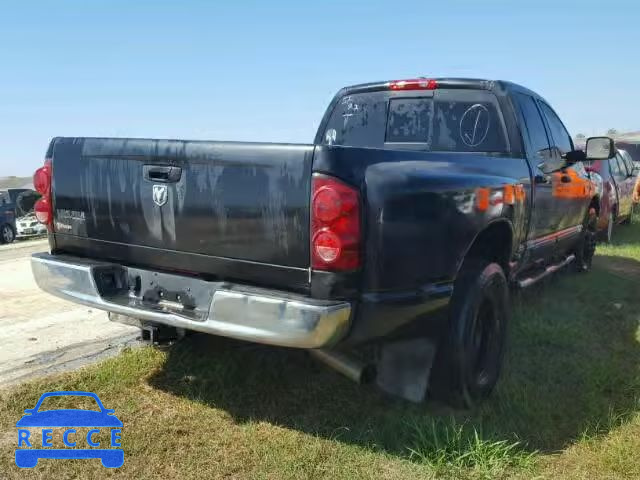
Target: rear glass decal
(330,136)
(474,125)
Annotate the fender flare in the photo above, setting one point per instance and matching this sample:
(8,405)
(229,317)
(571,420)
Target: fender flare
(493,223)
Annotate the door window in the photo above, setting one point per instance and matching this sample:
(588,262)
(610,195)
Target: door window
(624,168)
(622,165)
(628,163)
(559,136)
(535,126)
(616,169)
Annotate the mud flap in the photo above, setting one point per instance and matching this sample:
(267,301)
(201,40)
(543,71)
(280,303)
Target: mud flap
(404,368)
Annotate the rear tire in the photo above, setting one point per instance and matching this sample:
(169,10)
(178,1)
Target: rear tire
(470,355)
(7,235)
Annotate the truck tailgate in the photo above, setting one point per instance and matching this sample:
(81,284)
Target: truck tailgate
(243,202)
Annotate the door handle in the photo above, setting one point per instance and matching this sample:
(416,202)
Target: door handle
(162,173)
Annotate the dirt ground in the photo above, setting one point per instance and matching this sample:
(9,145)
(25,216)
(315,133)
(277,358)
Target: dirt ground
(39,333)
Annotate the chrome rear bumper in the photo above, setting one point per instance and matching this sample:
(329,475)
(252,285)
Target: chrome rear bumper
(218,308)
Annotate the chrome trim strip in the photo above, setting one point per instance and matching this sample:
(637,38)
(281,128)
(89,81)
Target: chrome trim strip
(555,236)
(256,315)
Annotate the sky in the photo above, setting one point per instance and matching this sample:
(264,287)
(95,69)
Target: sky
(265,71)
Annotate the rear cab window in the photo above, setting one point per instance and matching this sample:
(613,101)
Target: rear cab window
(440,120)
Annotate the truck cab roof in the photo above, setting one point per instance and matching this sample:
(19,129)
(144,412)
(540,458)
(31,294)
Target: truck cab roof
(444,82)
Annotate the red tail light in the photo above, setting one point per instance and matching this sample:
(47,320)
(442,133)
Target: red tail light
(42,178)
(335,225)
(413,84)
(42,183)
(43,211)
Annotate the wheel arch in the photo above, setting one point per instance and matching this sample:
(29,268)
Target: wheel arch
(493,242)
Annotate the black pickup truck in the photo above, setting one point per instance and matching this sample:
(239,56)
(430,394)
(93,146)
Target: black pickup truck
(398,231)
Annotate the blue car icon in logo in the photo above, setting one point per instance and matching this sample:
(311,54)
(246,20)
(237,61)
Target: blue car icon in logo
(68,418)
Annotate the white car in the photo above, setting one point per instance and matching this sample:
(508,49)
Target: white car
(28,226)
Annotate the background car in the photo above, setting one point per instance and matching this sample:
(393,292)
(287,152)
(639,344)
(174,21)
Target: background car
(617,177)
(7,218)
(20,222)
(28,226)
(630,162)
(630,143)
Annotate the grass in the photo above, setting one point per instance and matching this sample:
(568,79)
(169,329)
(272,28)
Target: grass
(448,447)
(568,405)
(625,245)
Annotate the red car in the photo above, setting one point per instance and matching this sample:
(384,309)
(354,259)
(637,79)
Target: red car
(615,180)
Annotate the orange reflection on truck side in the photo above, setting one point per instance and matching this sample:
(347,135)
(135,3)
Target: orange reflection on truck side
(508,195)
(570,185)
(482,199)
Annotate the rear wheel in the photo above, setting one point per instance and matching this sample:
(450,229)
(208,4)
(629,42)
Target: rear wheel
(7,235)
(469,357)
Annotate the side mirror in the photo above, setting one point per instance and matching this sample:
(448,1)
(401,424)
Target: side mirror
(635,171)
(600,148)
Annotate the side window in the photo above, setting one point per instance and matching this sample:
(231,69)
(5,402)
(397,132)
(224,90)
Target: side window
(615,167)
(534,125)
(621,165)
(559,136)
(627,162)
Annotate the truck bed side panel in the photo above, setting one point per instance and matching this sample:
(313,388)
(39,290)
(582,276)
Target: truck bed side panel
(421,214)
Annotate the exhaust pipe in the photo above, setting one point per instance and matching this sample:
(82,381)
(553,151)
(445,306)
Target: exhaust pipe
(349,366)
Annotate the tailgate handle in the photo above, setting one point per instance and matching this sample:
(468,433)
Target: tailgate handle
(162,173)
